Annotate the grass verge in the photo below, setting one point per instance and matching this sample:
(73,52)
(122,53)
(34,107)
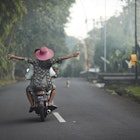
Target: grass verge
(130,92)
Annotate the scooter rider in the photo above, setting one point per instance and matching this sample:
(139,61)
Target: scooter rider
(44,60)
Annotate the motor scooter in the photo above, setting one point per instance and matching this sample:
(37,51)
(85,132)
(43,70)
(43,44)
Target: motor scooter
(41,96)
(41,99)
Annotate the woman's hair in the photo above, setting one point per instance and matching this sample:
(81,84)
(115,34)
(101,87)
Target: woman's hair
(36,50)
(45,64)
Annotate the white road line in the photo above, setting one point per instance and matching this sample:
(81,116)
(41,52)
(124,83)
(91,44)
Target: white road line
(58,116)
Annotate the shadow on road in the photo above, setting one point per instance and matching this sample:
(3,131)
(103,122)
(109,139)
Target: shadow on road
(21,121)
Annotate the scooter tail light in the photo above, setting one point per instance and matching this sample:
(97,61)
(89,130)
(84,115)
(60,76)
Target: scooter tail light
(40,93)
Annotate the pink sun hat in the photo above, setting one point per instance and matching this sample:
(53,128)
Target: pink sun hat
(44,53)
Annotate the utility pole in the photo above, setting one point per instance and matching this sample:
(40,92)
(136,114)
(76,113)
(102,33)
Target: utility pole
(86,66)
(136,43)
(105,39)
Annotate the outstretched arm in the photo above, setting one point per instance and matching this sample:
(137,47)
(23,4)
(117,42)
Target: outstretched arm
(11,56)
(70,56)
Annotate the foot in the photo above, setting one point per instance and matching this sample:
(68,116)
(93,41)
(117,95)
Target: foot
(31,109)
(52,107)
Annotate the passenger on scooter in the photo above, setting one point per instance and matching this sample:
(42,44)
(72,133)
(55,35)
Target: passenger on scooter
(44,60)
(29,90)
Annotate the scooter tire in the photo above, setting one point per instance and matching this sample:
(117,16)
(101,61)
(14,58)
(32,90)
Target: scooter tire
(42,114)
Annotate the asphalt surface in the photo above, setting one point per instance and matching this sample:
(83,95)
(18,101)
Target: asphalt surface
(85,112)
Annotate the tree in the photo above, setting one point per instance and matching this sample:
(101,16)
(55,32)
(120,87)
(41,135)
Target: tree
(10,13)
(43,24)
(119,36)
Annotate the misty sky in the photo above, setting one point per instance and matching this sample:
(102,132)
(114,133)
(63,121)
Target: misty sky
(90,9)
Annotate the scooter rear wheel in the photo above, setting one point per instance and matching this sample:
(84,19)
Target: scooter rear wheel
(42,114)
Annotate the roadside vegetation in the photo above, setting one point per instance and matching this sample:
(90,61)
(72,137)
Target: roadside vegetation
(131,92)
(6,82)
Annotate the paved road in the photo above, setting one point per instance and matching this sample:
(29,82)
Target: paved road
(85,113)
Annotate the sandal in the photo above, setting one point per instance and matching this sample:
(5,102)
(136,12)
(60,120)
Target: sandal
(31,109)
(52,107)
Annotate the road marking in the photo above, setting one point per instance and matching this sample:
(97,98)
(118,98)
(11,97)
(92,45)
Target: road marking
(58,116)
